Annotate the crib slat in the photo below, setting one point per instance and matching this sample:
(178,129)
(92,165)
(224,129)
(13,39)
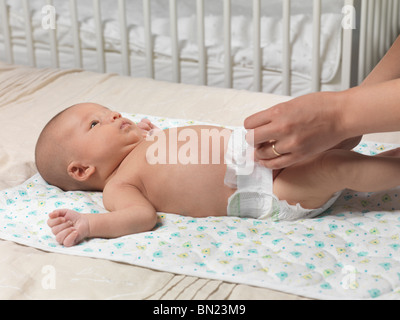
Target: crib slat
(347,47)
(6,32)
(382,34)
(377,31)
(286,63)
(389,21)
(126,68)
(316,64)
(257,45)
(75,34)
(370,38)
(391,34)
(395,24)
(227,44)
(173,23)
(148,38)
(101,61)
(28,34)
(201,43)
(363,42)
(53,43)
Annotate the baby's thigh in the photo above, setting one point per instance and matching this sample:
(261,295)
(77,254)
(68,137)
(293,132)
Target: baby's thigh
(308,183)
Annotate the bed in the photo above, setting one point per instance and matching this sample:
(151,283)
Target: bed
(35,267)
(43,71)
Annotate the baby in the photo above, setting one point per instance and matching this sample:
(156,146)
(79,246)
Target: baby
(142,170)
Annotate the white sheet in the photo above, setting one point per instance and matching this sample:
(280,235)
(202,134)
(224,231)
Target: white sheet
(243,77)
(242,50)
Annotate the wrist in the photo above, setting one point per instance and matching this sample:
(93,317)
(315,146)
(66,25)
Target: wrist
(371,109)
(344,124)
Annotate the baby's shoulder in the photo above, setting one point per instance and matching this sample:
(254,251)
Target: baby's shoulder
(119,190)
(125,176)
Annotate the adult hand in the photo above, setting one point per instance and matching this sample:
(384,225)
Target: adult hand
(298,129)
(319,121)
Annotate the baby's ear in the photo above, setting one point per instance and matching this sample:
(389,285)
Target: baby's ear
(79,171)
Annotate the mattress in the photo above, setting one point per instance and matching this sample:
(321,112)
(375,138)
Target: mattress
(30,97)
(242,50)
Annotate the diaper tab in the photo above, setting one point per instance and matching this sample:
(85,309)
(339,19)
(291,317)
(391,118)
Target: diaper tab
(239,157)
(254,195)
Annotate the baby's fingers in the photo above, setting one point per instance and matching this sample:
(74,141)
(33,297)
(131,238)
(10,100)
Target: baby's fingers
(147,124)
(57,213)
(61,226)
(63,235)
(71,239)
(145,120)
(51,222)
(144,124)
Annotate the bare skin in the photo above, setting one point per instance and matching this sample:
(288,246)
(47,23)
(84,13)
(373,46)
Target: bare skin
(134,189)
(313,123)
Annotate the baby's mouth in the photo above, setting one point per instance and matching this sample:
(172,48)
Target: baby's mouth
(125,124)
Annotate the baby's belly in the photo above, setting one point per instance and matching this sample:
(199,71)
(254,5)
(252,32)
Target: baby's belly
(197,204)
(195,190)
(192,180)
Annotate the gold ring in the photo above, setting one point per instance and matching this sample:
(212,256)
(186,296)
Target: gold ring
(274,150)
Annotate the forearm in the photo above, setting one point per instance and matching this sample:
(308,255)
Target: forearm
(371,109)
(122,222)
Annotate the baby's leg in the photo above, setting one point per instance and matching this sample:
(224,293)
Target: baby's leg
(390,153)
(312,183)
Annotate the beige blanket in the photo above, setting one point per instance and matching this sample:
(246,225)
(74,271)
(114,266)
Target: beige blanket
(28,99)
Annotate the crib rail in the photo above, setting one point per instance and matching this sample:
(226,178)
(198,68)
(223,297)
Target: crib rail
(378,24)
(379,28)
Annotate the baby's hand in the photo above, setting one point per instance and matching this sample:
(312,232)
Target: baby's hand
(147,126)
(69,227)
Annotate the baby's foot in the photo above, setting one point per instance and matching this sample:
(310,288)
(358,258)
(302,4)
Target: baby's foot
(69,227)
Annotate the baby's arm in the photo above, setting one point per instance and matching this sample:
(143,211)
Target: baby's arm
(129,213)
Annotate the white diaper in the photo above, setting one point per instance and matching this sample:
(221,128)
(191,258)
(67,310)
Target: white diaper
(254,196)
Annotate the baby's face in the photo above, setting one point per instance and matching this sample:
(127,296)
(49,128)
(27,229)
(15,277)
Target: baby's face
(98,135)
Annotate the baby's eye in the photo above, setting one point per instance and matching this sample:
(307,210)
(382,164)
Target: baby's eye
(93,123)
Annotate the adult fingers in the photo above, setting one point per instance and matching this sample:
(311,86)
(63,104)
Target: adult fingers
(257,119)
(266,116)
(279,162)
(269,150)
(263,134)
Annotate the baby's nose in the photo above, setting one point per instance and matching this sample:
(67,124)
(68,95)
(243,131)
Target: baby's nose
(115,115)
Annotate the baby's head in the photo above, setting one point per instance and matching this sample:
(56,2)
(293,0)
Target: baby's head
(80,148)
